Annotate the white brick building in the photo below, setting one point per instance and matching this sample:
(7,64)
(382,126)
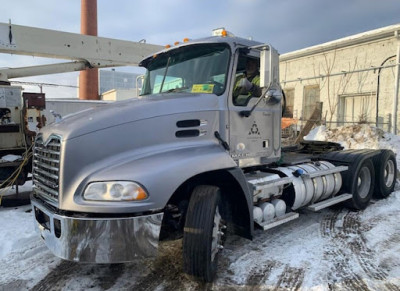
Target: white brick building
(347,75)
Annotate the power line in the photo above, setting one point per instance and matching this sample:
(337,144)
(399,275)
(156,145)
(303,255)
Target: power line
(340,73)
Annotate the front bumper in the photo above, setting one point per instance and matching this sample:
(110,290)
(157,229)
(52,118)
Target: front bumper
(97,240)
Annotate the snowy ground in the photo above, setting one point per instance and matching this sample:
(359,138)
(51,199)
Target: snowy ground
(331,249)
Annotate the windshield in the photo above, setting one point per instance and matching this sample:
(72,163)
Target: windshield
(198,68)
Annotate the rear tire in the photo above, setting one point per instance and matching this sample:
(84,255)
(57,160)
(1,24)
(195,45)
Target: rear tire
(386,171)
(203,233)
(362,185)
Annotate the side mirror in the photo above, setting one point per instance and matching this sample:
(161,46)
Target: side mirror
(274,95)
(269,73)
(269,77)
(269,66)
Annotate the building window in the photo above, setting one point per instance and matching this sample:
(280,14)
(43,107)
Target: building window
(110,80)
(311,100)
(289,93)
(357,108)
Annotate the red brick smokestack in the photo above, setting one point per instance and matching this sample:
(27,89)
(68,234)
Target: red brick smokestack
(88,79)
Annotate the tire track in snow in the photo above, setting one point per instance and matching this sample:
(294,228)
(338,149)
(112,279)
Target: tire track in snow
(259,274)
(342,275)
(349,243)
(57,278)
(365,256)
(351,227)
(290,279)
(14,285)
(166,273)
(106,275)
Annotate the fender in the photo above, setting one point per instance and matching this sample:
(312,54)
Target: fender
(160,174)
(247,228)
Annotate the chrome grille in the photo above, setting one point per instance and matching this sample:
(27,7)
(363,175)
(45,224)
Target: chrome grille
(46,167)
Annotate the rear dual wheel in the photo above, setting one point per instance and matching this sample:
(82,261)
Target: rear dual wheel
(386,172)
(203,233)
(361,184)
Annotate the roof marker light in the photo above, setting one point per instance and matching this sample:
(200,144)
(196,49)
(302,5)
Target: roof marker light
(221,32)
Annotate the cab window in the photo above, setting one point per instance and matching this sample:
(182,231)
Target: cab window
(198,68)
(247,81)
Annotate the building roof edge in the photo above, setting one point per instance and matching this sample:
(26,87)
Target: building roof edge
(355,39)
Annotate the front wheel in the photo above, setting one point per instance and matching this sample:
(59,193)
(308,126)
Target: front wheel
(203,233)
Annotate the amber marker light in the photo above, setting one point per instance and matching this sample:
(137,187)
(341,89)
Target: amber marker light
(185,39)
(168,46)
(140,194)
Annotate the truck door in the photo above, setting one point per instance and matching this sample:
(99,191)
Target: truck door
(255,139)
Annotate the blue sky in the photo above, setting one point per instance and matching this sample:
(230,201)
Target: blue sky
(287,24)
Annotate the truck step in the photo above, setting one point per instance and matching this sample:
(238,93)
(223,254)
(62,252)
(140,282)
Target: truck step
(279,220)
(329,202)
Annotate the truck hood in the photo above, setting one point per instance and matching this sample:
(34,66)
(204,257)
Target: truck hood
(127,111)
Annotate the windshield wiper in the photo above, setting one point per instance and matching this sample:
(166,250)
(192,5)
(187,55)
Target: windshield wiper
(165,74)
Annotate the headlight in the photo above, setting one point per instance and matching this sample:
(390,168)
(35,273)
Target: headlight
(114,191)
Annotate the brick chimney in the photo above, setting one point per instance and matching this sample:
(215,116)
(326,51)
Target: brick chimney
(88,79)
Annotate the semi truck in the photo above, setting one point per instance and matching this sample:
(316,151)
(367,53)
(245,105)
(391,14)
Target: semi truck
(189,159)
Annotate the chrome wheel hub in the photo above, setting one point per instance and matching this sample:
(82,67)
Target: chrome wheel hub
(364,182)
(389,173)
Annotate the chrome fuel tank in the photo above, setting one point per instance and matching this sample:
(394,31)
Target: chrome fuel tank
(309,190)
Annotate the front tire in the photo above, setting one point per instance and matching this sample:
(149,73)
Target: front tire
(203,233)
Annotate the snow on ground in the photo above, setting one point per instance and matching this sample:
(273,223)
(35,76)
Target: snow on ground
(334,249)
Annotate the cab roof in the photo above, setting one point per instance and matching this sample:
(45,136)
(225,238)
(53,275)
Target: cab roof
(233,41)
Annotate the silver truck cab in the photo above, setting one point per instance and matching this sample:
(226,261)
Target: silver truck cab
(103,179)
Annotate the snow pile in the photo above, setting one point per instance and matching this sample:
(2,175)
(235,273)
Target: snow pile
(360,136)
(10,158)
(14,238)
